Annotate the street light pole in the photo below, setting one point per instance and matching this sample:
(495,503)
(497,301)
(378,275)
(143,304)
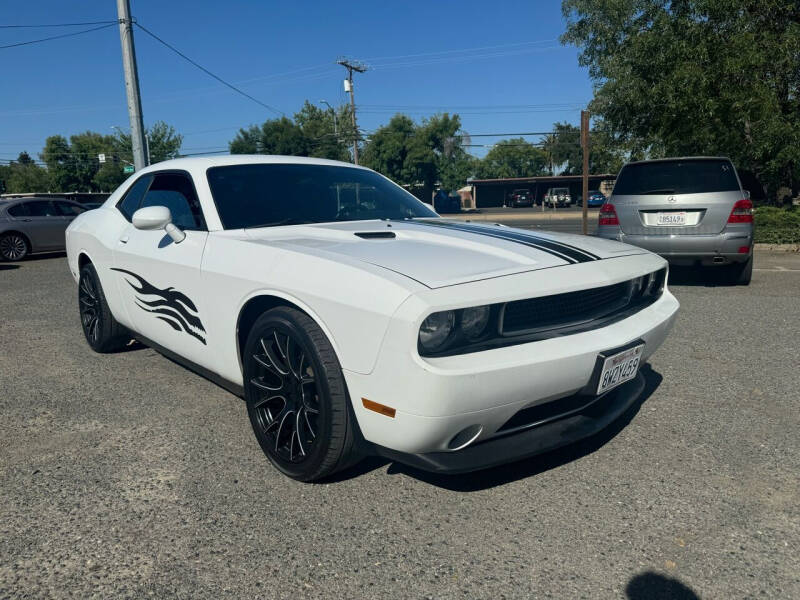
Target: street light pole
(132,84)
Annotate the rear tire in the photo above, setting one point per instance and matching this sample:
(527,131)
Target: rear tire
(102,331)
(742,273)
(14,247)
(297,396)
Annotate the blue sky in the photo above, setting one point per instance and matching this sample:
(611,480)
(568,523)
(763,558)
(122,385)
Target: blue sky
(498,64)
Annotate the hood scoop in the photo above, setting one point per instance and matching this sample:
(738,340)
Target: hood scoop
(376,235)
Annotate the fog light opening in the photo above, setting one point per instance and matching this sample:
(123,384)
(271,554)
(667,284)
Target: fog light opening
(465,437)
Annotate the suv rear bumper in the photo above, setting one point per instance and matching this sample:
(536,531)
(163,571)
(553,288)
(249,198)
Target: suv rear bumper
(717,249)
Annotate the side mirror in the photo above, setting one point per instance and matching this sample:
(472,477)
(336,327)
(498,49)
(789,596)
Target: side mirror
(152,218)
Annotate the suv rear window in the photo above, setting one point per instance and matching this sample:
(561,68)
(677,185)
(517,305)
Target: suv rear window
(695,176)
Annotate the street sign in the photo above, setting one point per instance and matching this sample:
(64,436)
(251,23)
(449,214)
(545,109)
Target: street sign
(101,158)
(127,169)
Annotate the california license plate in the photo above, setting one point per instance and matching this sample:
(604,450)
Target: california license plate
(671,219)
(619,368)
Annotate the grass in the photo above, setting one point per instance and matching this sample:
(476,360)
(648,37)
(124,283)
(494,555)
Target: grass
(777,225)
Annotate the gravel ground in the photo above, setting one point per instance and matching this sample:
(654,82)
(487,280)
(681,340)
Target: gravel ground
(127,476)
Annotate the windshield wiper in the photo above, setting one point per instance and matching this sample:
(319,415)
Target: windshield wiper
(289,221)
(661,191)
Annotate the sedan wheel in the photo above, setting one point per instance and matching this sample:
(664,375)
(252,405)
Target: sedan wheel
(13,246)
(297,397)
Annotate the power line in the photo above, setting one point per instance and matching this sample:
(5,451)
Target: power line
(207,72)
(57,37)
(43,25)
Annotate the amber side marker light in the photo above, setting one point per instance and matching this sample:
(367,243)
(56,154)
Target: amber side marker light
(387,411)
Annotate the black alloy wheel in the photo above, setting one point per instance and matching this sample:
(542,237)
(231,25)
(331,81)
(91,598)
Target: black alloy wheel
(102,331)
(297,396)
(13,246)
(89,308)
(287,406)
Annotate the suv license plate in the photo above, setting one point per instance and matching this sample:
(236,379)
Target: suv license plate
(671,219)
(619,368)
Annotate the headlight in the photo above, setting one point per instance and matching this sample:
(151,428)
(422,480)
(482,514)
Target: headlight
(474,321)
(436,330)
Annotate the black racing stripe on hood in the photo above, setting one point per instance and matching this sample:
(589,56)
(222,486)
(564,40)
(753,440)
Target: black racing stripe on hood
(567,252)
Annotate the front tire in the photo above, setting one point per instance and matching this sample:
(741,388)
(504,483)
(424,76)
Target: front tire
(297,397)
(13,247)
(102,331)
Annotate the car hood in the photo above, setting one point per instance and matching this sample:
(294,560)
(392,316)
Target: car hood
(442,252)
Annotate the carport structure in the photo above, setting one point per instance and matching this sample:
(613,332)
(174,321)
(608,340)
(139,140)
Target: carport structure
(493,192)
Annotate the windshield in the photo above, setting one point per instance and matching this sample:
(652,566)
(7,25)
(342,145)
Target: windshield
(695,176)
(561,191)
(263,195)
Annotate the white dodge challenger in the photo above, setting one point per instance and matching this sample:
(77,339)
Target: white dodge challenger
(354,320)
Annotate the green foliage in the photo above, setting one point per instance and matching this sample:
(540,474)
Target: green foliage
(24,175)
(312,132)
(777,225)
(163,143)
(697,77)
(513,158)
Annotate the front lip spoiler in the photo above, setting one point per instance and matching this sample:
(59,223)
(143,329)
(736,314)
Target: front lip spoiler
(537,440)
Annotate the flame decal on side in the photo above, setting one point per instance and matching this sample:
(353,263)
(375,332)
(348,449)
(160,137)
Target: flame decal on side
(170,306)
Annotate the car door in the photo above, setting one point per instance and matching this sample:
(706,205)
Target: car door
(160,280)
(67,211)
(39,221)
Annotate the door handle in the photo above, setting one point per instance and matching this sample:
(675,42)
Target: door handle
(123,240)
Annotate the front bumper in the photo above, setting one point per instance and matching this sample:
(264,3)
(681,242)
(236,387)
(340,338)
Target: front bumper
(435,399)
(716,249)
(592,418)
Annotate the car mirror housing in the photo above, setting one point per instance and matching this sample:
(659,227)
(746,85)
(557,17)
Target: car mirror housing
(151,218)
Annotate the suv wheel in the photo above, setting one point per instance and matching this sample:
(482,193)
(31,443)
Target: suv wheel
(741,273)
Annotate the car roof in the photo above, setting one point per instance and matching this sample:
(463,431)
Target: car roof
(201,162)
(674,158)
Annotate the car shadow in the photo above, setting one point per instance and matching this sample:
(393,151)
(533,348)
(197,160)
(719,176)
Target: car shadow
(44,256)
(699,276)
(8,267)
(653,586)
(503,474)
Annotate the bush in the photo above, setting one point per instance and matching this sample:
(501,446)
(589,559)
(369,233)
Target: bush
(777,225)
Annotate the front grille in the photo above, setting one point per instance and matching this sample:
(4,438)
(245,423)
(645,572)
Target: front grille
(561,310)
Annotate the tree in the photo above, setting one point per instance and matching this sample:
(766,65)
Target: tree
(387,149)
(163,143)
(328,133)
(512,158)
(276,136)
(24,176)
(697,77)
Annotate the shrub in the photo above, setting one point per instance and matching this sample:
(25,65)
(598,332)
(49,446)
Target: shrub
(777,225)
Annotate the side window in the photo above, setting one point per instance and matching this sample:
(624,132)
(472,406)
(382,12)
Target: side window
(176,192)
(130,203)
(20,210)
(68,209)
(42,208)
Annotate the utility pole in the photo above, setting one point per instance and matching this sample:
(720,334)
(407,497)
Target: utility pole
(585,146)
(358,67)
(132,84)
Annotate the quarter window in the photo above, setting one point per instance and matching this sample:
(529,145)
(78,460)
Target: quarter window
(176,192)
(20,210)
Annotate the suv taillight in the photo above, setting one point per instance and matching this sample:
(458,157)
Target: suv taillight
(742,212)
(608,215)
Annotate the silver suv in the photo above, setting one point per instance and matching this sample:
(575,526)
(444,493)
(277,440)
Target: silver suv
(691,211)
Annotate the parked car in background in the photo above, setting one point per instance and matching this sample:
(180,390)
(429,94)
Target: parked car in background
(596,199)
(520,198)
(444,203)
(557,197)
(354,320)
(691,211)
(30,225)
(92,205)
